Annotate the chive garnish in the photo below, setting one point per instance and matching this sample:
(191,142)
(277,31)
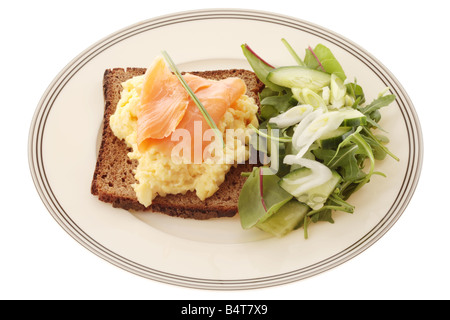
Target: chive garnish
(191,93)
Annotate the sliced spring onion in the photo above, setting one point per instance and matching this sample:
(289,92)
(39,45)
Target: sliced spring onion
(315,125)
(300,144)
(291,116)
(308,96)
(319,173)
(191,93)
(338,92)
(326,95)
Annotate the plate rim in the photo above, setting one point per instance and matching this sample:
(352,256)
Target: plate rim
(58,212)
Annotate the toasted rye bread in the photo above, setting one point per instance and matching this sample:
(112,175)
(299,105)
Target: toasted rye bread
(114,176)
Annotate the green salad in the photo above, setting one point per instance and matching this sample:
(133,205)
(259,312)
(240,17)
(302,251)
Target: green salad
(317,142)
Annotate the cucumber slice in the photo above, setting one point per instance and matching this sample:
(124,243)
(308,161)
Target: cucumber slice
(331,140)
(289,217)
(354,122)
(353,118)
(314,197)
(299,77)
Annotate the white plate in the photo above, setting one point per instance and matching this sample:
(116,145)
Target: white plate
(214,254)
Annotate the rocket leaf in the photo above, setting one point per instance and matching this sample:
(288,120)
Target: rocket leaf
(377,104)
(344,159)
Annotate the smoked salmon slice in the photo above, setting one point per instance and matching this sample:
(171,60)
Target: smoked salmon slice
(166,107)
(163,103)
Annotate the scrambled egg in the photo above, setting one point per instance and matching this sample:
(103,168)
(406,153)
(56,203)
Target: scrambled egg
(158,174)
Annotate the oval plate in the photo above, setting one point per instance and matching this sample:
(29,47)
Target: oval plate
(213,254)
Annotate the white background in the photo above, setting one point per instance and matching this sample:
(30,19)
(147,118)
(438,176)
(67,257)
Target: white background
(39,260)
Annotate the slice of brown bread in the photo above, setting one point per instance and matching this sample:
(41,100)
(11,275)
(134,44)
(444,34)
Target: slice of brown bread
(113,175)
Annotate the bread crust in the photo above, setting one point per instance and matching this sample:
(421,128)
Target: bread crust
(113,174)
